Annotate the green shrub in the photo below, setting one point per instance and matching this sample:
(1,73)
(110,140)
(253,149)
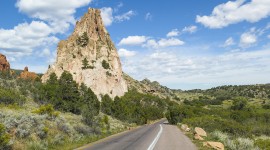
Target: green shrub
(4,138)
(47,109)
(83,40)
(263,144)
(266,106)
(239,103)
(10,96)
(105,64)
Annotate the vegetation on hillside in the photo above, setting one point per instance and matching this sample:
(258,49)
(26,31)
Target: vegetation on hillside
(237,116)
(61,113)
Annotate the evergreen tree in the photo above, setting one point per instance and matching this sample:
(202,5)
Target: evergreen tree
(91,105)
(106,104)
(85,63)
(68,94)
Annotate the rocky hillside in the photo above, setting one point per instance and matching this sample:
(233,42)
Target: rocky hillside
(91,57)
(146,86)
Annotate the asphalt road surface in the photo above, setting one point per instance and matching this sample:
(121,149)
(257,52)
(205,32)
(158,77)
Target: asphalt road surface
(157,136)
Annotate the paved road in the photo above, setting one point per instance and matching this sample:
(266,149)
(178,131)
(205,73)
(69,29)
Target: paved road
(158,136)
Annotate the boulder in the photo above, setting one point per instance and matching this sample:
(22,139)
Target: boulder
(214,145)
(198,137)
(200,131)
(185,128)
(4,64)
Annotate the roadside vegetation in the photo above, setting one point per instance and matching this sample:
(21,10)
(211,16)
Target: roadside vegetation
(237,116)
(61,114)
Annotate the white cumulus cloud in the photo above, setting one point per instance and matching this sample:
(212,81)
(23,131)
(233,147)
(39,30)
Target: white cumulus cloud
(236,11)
(162,43)
(126,53)
(107,15)
(133,40)
(247,39)
(125,16)
(59,14)
(173,33)
(190,29)
(25,37)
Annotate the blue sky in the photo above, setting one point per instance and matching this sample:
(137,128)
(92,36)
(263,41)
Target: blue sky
(181,44)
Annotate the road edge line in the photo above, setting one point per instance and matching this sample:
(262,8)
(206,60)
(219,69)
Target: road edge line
(153,144)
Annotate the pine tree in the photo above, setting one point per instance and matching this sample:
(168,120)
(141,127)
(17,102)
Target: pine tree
(85,63)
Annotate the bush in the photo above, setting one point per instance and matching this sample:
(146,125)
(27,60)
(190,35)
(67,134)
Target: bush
(42,132)
(174,115)
(263,144)
(105,64)
(85,130)
(83,40)
(266,106)
(47,109)
(24,130)
(4,138)
(239,103)
(37,145)
(8,96)
(64,127)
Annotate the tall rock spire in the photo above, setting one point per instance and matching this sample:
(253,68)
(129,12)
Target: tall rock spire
(91,57)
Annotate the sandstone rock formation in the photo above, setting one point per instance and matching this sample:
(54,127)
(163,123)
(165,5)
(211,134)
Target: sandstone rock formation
(91,57)
(200,131)
(198,137)
(4,64)
(28,75)
(214,145)
(185,128)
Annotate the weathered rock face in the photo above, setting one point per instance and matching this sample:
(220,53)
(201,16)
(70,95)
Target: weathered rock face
(91,57)
(4,64)
(28,75)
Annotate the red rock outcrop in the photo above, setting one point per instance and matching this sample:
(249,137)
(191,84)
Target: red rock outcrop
(28,75)
(4,64)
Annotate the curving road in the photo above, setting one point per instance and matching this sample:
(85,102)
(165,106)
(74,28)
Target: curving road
(157,136)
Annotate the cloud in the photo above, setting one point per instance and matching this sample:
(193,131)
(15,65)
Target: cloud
(148,16)
(45,53)
(163,43)
(229,42)
(170,42)
(126,53)
(234,12)
(173,33)
(190,29)
(268,36)
(107,15)
(125,16)
(59,14)
(133,40)
(173,69)
(25,37)
(120,5)
(247,39)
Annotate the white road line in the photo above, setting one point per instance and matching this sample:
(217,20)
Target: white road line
(152,146)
